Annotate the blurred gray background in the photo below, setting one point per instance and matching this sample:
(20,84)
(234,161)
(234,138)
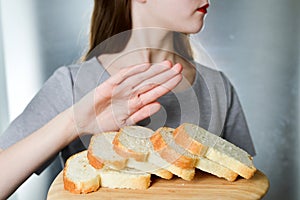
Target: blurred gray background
(256,43)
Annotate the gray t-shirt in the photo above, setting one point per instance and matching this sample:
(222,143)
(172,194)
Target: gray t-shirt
(211,102)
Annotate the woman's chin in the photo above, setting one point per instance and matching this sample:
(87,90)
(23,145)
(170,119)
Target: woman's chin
(194,29)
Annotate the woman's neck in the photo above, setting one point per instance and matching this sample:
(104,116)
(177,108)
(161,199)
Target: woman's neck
(153,44)
(150,45)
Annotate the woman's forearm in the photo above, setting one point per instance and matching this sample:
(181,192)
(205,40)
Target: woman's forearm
(19,161)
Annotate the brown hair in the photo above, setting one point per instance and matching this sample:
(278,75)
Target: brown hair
(111,17)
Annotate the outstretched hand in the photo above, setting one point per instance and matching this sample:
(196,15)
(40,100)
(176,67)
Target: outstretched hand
(126,97)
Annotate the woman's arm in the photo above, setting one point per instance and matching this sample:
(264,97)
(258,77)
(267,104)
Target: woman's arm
(20,160)
(123,99)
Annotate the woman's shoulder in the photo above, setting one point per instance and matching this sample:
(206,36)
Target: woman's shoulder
(91,68)
(84,76)
(212,75)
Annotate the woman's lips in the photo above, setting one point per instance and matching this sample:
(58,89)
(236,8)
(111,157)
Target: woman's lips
(203,9)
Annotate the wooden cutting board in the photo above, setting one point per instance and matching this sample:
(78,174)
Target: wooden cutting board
(203,186)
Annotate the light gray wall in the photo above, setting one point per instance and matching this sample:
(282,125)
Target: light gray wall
(62,27)
(3,96)
(255,44)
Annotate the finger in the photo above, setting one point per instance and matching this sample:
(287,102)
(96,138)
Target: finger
(125,73)
(158,79)
(152,71)
(105,89)
(155,93)
(143,113)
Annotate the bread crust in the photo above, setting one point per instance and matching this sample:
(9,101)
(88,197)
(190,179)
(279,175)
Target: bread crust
(127,153)
(94,161)
(98,163)
(169,154)
(185,174)
(163,173)
(183,139)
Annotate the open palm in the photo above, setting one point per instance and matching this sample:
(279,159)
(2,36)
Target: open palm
(126,98)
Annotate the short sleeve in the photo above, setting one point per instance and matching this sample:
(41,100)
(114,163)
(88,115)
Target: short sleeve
(236,128)
(53,98)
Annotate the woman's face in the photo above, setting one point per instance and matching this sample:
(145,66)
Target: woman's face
(186,16)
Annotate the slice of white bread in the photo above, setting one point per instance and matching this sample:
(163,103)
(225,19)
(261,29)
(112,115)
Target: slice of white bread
(126,178)
(199,141)
(167,146)
(216,169)
(134,142)
(149,168)
(101,153)
(163,143)
(80,177)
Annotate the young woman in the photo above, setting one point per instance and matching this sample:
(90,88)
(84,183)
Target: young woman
(125,79)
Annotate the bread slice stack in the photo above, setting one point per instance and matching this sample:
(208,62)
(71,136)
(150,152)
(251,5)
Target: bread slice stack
(135,142)
(163,141)
(126,159)
(80,177)
(198,141)
(101,153)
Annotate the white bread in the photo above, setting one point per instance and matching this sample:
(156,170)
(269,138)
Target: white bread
(126,178)
(164,136)
(161,152)
(134,142)
(101,153)
(216,169)
(199,141)
(81,178)
(163,143)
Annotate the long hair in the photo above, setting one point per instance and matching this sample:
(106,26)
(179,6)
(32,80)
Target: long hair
(111,17)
